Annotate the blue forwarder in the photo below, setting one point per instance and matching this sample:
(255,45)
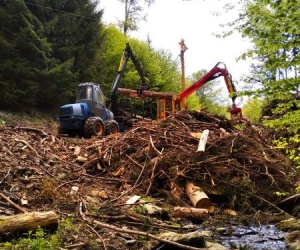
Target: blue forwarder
(90,116)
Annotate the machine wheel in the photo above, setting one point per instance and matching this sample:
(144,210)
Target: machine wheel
(61,130)
(111,127)
(93,126)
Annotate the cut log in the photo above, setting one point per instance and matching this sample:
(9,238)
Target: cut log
(28,221)
(203,140)
(198,198)
(190,212)
(148,94)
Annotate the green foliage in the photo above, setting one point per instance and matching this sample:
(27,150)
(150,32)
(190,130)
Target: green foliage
(133,14)
(45,49)
(40,240)
(37,240)
(253,109)
(142,239)
(281,194)
(287,116)
(291,146)
(24,54)
(48,47)
(64,76)
(147,199)
(140,210)
(159,67)
(210,96)
(240,126)
(193,102)
(270,25)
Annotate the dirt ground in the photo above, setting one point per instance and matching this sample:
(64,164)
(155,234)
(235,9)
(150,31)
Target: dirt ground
(89,181)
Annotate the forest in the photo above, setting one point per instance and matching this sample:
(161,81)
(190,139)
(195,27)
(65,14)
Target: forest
(48,47)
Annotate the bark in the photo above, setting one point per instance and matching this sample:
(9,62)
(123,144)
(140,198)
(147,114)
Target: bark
(190,213)
(202,141)
(148,94)
(27,221)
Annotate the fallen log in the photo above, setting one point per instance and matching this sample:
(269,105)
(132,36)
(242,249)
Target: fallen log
(28,221)
(147,94)
(198,198)
(190,212)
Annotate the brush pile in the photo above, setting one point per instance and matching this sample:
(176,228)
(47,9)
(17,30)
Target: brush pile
(238,165)
(237,168)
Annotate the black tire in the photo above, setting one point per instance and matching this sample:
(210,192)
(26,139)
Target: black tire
(61,130)
(111,127)
(94,126)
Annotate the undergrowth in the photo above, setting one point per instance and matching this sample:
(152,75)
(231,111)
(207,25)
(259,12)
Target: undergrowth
(40,239)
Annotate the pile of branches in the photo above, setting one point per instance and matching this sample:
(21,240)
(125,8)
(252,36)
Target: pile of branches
(238,166)
(156,158)
(41,171)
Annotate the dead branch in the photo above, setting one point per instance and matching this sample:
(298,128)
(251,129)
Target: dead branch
(66,183)
(33,129)
(151,236)
(143,168)
(102,178)
(89,163)
(134,161)
(5,175)
(28,145)
(155,149)
(66,162)
(294,198)
(98,235)
(12,203)
(81,244)
(152,177)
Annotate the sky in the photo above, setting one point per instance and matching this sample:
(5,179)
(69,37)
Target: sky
(169,21)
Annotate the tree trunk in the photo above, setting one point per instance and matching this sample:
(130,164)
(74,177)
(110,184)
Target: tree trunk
(147,94)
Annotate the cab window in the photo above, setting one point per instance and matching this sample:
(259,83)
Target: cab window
(84,92)
(99,96)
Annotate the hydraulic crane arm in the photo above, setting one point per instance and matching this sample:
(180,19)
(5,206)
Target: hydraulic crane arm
(127,53)
(214,73)
(138,67)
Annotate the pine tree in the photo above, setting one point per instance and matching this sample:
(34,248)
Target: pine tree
(24,55)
